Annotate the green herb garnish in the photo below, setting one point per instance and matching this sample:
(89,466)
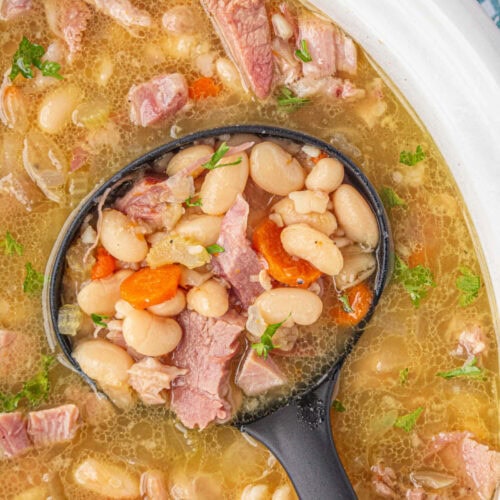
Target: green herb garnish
(390,198)
(289,101)
(98,319)
(403,376)
(10,245)
(338,406)
(35,390)
(212,249)
(469,284)
(410,159)
(416,280)
(193,203)
(346,306)
(266,345)
(217,157)
(469,369)
(33,282)
(408,422)
(303,53)
(30,54)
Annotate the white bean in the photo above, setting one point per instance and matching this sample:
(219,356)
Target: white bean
(325,222)
(171,307)
(355,216)
(122,308)
(149,334)
(357,268)
(204,229)
(222,185)
(327,175)
(255,492)
(300,240)
(190,277)
(100,296)
(104,70)
(309,201)
(56,108)
(210,299)
(106,480)
(275,170)
(228,74)
(276,305)
(187,157)
(282,28)
(122,238)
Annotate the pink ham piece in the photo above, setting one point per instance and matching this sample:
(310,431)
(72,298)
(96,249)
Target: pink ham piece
(153,486)
(157,99)
(383,481)
(346,55)
(243,27)
(9,9)
(472,342)
(257,375)
(319,35)
(150,379)
(238,264)
(204,394)
(14,439)
(123,12)
(52,426)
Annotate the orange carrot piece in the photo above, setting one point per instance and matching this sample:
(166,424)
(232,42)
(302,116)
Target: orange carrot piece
(418,257)
(104,266)
(360,298)
(282,266)
(148,287)
(204,87)
(319,157)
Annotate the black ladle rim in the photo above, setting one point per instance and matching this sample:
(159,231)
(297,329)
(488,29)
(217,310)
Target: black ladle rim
(51,296)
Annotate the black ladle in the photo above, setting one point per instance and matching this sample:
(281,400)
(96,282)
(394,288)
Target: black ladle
(298,432)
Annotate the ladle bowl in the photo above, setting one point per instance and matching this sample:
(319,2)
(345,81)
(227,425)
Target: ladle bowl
(297,431)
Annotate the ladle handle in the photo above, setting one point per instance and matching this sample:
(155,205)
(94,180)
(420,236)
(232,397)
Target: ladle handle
(300,437)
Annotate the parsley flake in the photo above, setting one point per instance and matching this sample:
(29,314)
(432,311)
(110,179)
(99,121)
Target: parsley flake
(303,53)
(193,203)
(338,406)
(408,422)
(411,159)
(212,249)
(469,369)
(416,280)
(469,284)
(30,54)
(266,345)
(391,199)
(346,306)
(217,157)
(33,282)
(98,319)
(10,245)
(289,102)
(403,376)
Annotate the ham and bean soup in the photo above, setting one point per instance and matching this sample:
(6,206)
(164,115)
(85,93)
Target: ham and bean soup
(226,275)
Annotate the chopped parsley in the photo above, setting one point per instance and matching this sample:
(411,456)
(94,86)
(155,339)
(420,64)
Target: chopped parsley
(35,390)
(266,345)
(346,306)
(408,422)
(289,102)
(338,406)
(10,245)
(193,203)
(416,280)
(469,369)
(403,376)
(411,159)
(303,53)
(217,157)
(211,249)
(469,284)
(391,199)
(33,282)
(30,54)
(98,319)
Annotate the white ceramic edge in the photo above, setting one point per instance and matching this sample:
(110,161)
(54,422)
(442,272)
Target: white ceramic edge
(444,57)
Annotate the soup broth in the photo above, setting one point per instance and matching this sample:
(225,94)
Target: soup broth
(391,371)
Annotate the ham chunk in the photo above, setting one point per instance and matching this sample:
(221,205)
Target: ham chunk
(150,378)
(319,35)
(207,347)
(258,375)
(346,55)
(384,481)
(14,439)
(153,486)
(238,264)
(123,12)
(10,9)
(243,27)
(56,425)
(471,342)
(157,99)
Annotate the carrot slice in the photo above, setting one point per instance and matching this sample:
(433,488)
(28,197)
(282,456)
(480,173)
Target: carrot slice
(204,87)
(282,266)
(104,266)
(148,287)
(319,157)
(360,298)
